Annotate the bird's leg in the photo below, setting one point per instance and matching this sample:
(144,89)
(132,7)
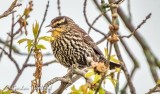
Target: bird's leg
(73,67)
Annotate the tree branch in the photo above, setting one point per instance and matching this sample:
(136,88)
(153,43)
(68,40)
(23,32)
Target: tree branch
(44,64)
(26,61)
(86,19)
(59,7)
(12,59)
(10,10)
(139,26)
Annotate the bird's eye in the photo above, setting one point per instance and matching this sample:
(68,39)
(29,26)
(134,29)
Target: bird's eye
(58,24)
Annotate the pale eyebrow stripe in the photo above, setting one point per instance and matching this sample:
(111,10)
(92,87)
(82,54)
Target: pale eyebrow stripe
(60,21)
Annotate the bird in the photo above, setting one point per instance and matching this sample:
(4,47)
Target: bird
(72,45)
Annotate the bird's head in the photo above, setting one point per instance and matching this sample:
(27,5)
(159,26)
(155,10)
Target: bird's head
(60,25)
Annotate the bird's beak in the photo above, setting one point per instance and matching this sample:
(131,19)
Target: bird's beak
(52,29)
(48,25)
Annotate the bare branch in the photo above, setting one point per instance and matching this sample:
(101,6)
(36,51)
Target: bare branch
(44,18)
(139,26)
(154,89)
(103,39)
(16,50)
(132,88)
(136,63)
(59,7)
(104,76)
(129,9)
(10,10)
(151,58)
(11,40)
(12,59)
(52,81)
(94,21)
(44,64)
(98,7)
(86,19)
(78,73)
(26,61)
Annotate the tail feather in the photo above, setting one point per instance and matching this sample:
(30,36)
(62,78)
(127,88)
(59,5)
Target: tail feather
(112,65)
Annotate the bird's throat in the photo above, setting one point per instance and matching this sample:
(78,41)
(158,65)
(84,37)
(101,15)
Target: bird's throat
(57,32)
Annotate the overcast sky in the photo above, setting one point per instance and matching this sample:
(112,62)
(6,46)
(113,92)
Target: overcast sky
(74,8)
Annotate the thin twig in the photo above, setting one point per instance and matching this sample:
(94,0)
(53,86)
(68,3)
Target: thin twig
(12,59)
(10,10)
(104,76)
(44,64)
(129,10)
(134,60)
(16,50)
(44,18)
(94,21)
(119,55)
(151,58)
(98,7)
(86,19)
(11,40)
(103,39)
(26,61)
(5,44)
(59,7)
(153,89)
(131,86)
(139,26)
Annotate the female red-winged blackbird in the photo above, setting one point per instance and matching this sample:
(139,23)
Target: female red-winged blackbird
(72,45)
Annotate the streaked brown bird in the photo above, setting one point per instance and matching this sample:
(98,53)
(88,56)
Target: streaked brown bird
(72,45)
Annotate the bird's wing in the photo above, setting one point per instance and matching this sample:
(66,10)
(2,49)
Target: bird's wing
(88,40)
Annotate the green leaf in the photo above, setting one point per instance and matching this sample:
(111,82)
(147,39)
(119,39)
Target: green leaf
(75,91)
(1,92)
(46,38)
(23,40)
(29,47)
(89,74)
(114,81)
(96,78)
(158,82)
(113,59)
(117,69)
(73,88)
(7,92)
(29,41)
(90,91)
(84,88)
(40,46)
(35,29)
(101,91)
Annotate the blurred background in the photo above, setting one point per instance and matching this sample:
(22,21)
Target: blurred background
(142,78)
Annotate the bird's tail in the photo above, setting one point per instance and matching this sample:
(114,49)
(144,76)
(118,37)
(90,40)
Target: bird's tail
(112,65)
